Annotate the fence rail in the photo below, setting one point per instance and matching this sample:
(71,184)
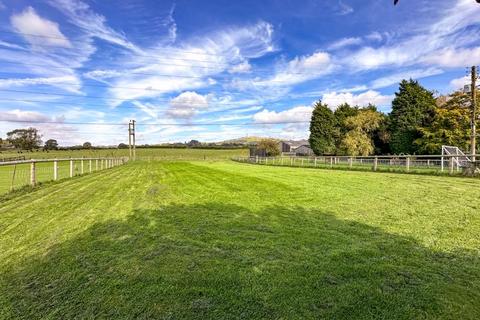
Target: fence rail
(19,173)
(12,159)
(428,164)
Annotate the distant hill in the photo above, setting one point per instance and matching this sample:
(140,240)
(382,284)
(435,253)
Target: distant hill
(247,140)
(254,139)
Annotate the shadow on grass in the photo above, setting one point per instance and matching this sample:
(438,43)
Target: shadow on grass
(225,261)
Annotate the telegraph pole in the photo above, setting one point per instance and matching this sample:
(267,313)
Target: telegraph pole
(474,112)
(131,139)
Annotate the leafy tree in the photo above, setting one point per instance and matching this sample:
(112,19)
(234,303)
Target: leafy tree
(323,129)
(270,146)
(194,143)
(358,140)
(343,112)
(122,146)
(51,144)
(450,125)
(412,108)
(26,139)
(87,145)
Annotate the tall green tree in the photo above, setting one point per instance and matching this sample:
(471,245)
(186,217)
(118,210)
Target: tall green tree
(51,144)
(412,108)
(342,113)
(323,129)
(450,125)
(26,139)
(358,141)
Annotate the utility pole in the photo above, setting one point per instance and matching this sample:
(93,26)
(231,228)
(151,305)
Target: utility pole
(131,140)
(474,112)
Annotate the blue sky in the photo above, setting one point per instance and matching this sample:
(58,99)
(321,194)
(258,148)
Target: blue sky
(225,63)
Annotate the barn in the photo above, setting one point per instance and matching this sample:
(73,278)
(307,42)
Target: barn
(304,150)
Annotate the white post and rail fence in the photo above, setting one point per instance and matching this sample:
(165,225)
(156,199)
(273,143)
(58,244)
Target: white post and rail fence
(450,164)
(19,173)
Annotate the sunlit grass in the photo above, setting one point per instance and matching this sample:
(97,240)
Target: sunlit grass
(227,240)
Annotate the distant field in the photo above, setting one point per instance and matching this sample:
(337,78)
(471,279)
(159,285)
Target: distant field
(157,153)
(20,175)
(218,240)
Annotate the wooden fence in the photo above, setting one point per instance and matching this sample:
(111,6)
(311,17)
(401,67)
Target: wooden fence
(428,164)
(19,173)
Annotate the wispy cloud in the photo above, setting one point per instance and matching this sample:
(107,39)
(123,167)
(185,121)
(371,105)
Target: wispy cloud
(37,30)
(334,99)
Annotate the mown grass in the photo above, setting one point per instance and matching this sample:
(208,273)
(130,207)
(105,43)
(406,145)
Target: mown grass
(227,240)
(14,177)
(146,153)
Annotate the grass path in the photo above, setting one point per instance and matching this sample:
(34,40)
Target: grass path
(227,240)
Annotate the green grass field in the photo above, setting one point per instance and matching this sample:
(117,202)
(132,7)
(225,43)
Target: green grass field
(225,240)
(19,176)
(156,153)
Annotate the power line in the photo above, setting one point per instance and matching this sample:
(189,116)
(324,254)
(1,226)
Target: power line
(200,124)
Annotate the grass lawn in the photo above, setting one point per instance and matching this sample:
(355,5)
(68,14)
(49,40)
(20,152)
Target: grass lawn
(218,240)
(146,153)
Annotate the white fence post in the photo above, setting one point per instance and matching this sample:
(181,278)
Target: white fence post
(71,168)
(96,164)
(81,166)
(375,164)
(55,170)
(407,164)
(90,165)
(350,162)
(33,174)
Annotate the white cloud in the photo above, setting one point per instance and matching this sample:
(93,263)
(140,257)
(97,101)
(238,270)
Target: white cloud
(395,78)
(193,64)
(148,108)
(37,30)
(345,42)
(296,114)
(93,24)
(10,45)
(459,83)
(186,105)
(374,36)
(69,83)
(243,67)
(441,41)
(172,25)
(334,99)
(22,115)
(297,70)
(454,57)
(344,8)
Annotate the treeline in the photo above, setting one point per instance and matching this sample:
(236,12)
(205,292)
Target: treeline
(29,140)
(419,123)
